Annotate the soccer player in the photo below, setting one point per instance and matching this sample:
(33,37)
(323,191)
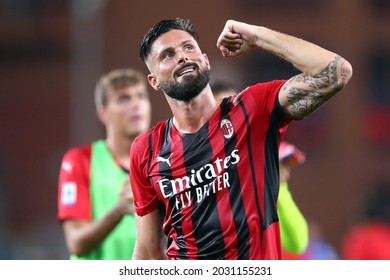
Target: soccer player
(95,201)
(209,176)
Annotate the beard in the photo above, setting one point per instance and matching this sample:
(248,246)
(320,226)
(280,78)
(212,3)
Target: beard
(189,87)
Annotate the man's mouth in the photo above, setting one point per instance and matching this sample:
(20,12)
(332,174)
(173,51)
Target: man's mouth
(186,70)
(136,118)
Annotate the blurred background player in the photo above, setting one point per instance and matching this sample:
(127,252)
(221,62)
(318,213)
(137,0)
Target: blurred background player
(369,237)
(294,230)
(301,238)
(95,202)
(293,225)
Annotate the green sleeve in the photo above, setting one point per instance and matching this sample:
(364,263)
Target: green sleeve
(293,225)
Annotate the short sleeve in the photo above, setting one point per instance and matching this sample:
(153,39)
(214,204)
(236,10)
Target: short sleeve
(145,197)
(265,94)
(73,185)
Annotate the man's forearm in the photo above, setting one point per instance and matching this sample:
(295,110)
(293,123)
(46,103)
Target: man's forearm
(86,237)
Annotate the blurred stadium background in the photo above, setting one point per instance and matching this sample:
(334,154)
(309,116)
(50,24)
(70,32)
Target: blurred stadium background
(52,53)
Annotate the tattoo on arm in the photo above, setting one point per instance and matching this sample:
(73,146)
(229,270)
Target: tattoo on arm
(307,93)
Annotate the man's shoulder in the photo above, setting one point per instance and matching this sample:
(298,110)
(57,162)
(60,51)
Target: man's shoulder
(76,158)
(145,143)
(154,131)
(79,151)
(267,85)
(261,91)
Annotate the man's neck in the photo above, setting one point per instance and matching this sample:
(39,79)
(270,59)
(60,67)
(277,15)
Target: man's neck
(189,117)
(120,150)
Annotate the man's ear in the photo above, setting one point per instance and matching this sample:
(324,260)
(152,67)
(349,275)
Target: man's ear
(153,82)
(101,114)
(207,60)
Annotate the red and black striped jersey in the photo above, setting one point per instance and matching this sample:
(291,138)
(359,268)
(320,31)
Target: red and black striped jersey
(218,186)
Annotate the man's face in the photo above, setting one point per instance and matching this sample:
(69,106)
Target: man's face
(178,66)
(128,110)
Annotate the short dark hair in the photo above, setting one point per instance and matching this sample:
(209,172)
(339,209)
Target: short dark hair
(162,27)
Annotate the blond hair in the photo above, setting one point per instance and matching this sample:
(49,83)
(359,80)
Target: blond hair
(116,79)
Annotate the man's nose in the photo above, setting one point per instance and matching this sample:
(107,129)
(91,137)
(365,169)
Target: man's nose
(134,104)
(182,56)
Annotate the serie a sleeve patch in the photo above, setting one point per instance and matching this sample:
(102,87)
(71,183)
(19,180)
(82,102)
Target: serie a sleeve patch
(69,193)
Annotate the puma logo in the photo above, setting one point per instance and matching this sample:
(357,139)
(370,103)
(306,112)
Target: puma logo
(167,160)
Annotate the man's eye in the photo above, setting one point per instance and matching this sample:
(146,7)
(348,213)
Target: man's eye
(123,99)
(168,55)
